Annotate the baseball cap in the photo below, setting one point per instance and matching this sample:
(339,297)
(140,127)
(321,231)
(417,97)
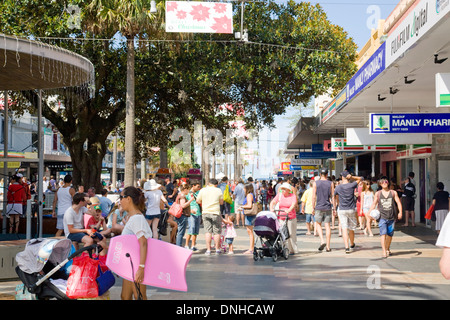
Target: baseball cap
(324,171)
(345,173)
(97,207)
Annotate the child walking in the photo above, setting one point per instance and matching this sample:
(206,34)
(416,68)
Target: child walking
(367,197)
(230,233)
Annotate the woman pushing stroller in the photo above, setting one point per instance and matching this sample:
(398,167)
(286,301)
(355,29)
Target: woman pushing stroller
(287,200)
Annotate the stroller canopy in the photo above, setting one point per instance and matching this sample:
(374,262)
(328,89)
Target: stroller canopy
(266,224)
(38,251)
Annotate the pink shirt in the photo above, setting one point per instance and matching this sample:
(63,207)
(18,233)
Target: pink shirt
(285,204)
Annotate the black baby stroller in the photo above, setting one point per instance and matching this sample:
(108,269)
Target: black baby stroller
(41,266)
(272,234)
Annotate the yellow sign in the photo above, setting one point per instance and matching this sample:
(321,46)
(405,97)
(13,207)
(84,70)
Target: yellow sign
(309,167)
(11,165)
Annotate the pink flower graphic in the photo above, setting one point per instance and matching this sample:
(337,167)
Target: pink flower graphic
(172,6)
(222,25)
(220,7)
(200,13)
(181,14)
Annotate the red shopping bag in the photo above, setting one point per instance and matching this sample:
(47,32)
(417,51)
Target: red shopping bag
(82,279)
(429,213)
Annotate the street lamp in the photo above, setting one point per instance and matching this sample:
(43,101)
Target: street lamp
(153,6)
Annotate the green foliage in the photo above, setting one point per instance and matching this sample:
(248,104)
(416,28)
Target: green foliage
(178,83)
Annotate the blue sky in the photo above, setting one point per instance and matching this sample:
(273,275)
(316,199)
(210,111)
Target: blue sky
(355,17)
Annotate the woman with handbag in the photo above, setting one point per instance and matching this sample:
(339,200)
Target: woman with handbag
(286,198)
(182,221)
(132,201)
(441,203)
(250,208)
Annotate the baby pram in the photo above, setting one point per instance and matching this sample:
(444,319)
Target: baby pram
(272,234)
(43,263)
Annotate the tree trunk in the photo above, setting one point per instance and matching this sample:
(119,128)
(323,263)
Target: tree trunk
(163,157)
(130,116)
(87,164)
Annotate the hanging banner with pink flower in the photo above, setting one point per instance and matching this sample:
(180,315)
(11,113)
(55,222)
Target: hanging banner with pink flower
(199,17)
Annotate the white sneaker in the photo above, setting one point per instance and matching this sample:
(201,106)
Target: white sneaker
(186,247)
(208,253)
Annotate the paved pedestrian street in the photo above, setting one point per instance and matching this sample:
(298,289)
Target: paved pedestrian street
(410,273)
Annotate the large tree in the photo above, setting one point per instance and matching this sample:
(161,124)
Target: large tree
(294,53)
(131,18)
(84,123)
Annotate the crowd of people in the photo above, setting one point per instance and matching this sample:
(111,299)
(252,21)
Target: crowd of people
(348,200)
(221,207)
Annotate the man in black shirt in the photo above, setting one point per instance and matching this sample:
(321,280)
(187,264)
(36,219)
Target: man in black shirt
(408,195)
(171,190)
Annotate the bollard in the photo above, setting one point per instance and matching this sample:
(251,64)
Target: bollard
(28,215)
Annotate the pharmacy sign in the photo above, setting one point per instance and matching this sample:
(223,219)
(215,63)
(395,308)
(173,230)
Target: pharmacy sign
(410,123)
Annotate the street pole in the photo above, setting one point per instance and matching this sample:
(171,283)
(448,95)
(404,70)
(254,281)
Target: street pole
(5,155)
(40,165)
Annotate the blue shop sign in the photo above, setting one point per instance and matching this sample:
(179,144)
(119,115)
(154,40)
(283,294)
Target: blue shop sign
(410,123)
(317,155)
(371,69)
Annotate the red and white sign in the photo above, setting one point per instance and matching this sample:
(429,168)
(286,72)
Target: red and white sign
(199,17)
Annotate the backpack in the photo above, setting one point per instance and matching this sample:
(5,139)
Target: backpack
(162,224)
(227,196)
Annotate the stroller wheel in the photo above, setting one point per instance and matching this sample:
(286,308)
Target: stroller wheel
(255,255)
(286,253)
(274,255)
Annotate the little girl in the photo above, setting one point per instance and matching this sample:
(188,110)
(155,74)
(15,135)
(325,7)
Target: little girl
(230,233)
(367,200)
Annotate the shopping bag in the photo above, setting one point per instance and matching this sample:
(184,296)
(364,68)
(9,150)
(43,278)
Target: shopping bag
(22,293)
(105,281)
(429,213)
(82,279)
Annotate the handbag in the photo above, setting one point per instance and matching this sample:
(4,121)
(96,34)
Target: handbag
(253,211)
(429,213)
(176,209)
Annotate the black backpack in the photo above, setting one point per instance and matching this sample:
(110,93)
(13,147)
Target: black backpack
(162,224)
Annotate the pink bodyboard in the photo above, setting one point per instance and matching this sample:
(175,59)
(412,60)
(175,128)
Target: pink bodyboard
(165,266)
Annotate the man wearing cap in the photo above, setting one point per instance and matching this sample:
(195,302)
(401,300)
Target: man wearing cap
(345,196)
(323,190)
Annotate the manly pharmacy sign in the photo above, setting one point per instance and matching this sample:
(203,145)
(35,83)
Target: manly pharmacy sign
(410,123)
(369,71)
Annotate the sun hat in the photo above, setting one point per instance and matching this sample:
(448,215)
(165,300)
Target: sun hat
(287,186)
(94,200)
(151,185)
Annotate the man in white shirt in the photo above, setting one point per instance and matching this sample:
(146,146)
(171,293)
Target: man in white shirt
(74,223)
